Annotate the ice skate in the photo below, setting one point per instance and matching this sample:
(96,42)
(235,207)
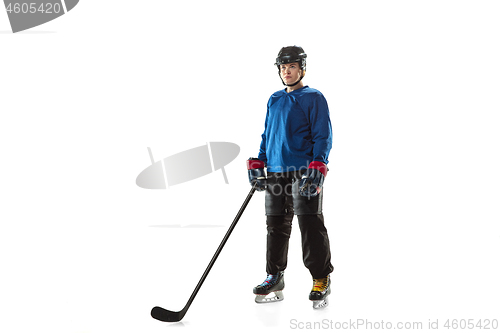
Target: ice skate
(319,293)
(271,290)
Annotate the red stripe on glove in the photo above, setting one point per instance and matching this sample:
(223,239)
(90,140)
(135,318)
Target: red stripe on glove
(255,164)
(319,166)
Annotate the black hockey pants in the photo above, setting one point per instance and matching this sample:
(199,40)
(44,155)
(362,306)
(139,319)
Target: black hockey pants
(282,203)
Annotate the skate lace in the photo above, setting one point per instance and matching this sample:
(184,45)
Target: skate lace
(270,279)
(320,284)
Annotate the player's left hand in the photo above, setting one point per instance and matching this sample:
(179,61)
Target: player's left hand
(312,181)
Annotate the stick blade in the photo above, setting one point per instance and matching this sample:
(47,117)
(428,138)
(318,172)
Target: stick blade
(162,314)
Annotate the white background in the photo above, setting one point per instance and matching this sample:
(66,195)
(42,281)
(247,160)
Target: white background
(411,200)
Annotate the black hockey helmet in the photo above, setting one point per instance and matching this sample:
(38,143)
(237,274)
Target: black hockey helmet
(289,54)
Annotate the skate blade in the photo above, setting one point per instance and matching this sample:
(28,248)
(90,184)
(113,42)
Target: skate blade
(272,297)
(320,304)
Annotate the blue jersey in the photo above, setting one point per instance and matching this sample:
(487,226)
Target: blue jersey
(297,130)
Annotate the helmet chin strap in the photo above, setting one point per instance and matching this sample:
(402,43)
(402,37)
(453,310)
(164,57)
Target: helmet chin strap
(294,84)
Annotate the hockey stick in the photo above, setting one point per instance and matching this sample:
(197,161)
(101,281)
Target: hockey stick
(162,314)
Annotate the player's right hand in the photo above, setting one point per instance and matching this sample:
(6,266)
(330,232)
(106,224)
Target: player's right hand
(256,173)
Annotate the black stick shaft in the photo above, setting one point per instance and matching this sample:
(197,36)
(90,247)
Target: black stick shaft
(224,240)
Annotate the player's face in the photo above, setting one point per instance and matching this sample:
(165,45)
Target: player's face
(290,73)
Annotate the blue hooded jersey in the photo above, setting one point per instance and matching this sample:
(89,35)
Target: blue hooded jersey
(297,130)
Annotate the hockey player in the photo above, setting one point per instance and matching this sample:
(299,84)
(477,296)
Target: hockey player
(295,146)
